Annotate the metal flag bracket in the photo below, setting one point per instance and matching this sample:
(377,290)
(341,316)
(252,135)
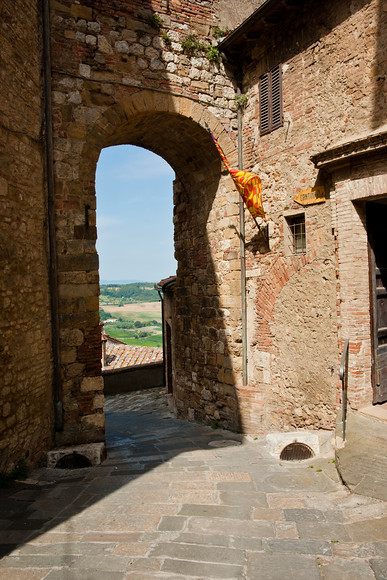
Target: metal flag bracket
(248,185)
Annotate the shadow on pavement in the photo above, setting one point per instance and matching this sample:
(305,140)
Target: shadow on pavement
(141,434)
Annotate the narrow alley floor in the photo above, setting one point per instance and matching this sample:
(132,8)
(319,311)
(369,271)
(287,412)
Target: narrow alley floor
(179,500)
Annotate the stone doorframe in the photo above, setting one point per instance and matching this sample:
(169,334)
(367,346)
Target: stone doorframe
(206,211)
(358,173)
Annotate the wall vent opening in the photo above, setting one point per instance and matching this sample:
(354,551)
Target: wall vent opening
(73,461)
(296,452)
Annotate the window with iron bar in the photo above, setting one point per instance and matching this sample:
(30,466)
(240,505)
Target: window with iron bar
(296,234)
(270,100)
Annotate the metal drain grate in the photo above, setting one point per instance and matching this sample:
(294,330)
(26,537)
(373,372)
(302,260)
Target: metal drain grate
(73,461)
(296,452)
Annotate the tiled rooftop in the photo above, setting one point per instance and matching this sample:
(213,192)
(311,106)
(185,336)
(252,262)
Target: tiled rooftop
(120,355)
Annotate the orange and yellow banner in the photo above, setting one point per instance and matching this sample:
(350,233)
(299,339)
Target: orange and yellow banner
(248,185)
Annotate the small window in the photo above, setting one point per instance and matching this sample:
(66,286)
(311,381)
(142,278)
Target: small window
(296,234)
(270,100)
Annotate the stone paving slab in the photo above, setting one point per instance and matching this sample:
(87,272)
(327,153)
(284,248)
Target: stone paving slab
(279,566)
(171,501)
(353,569)
(363,460)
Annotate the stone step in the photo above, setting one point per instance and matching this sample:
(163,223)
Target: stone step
(362,460)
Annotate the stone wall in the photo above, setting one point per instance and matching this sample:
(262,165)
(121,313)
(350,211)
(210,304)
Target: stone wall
(144,73)
(231,13)
(328,97)
(119,78)
(133,378)
(26,403)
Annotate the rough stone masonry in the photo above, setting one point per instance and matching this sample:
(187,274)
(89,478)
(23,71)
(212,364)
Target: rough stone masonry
(147,73)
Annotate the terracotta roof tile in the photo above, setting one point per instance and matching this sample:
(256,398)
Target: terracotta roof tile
(119,355)
(166,282)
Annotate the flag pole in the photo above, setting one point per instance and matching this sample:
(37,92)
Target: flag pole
(242,253)
(232,171)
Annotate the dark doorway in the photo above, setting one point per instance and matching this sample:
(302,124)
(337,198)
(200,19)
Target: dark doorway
(377,237)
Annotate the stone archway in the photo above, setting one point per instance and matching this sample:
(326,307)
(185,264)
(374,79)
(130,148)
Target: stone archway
(207,305)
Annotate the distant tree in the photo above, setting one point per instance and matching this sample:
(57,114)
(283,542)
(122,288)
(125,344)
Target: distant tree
(135,292)
(103,315)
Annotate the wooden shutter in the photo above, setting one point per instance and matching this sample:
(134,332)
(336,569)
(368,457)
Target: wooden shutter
(264,104)
(276,98)
(270,100)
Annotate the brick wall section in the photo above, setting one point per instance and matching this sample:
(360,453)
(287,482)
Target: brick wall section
(353,185)
(26,406)
(328,93)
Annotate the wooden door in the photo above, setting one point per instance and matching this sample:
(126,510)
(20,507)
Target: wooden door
(377,237)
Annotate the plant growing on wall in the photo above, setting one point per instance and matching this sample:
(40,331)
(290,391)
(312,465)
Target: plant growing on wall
(166,39)
(193,47)
(241,100)
(213,54)
(155,21)
(218,32)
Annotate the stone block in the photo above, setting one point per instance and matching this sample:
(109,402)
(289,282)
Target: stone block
(205,570)
(72,337)
(275,566)
(199,553)
(91,384)
(78,263)
(172,523)
(79,11)
(73,370)
(94,452)
(95,421)
(319,442)
(78,290)
(91,304)
(98,401)
(68,356)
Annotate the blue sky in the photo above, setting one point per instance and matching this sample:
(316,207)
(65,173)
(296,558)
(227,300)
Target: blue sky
(134,215)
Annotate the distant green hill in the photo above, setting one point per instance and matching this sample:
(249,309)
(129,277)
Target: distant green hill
(127,293)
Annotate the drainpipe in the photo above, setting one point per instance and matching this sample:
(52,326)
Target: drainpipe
(242,247)
(53,278)
(163,335)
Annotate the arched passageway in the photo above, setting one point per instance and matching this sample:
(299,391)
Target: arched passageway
(207,293)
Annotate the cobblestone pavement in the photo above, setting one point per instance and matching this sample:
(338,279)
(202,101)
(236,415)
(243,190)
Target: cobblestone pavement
(179,500)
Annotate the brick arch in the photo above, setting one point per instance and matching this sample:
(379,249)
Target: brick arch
(278,275)
(290,383)
(174,128)
(171,126)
